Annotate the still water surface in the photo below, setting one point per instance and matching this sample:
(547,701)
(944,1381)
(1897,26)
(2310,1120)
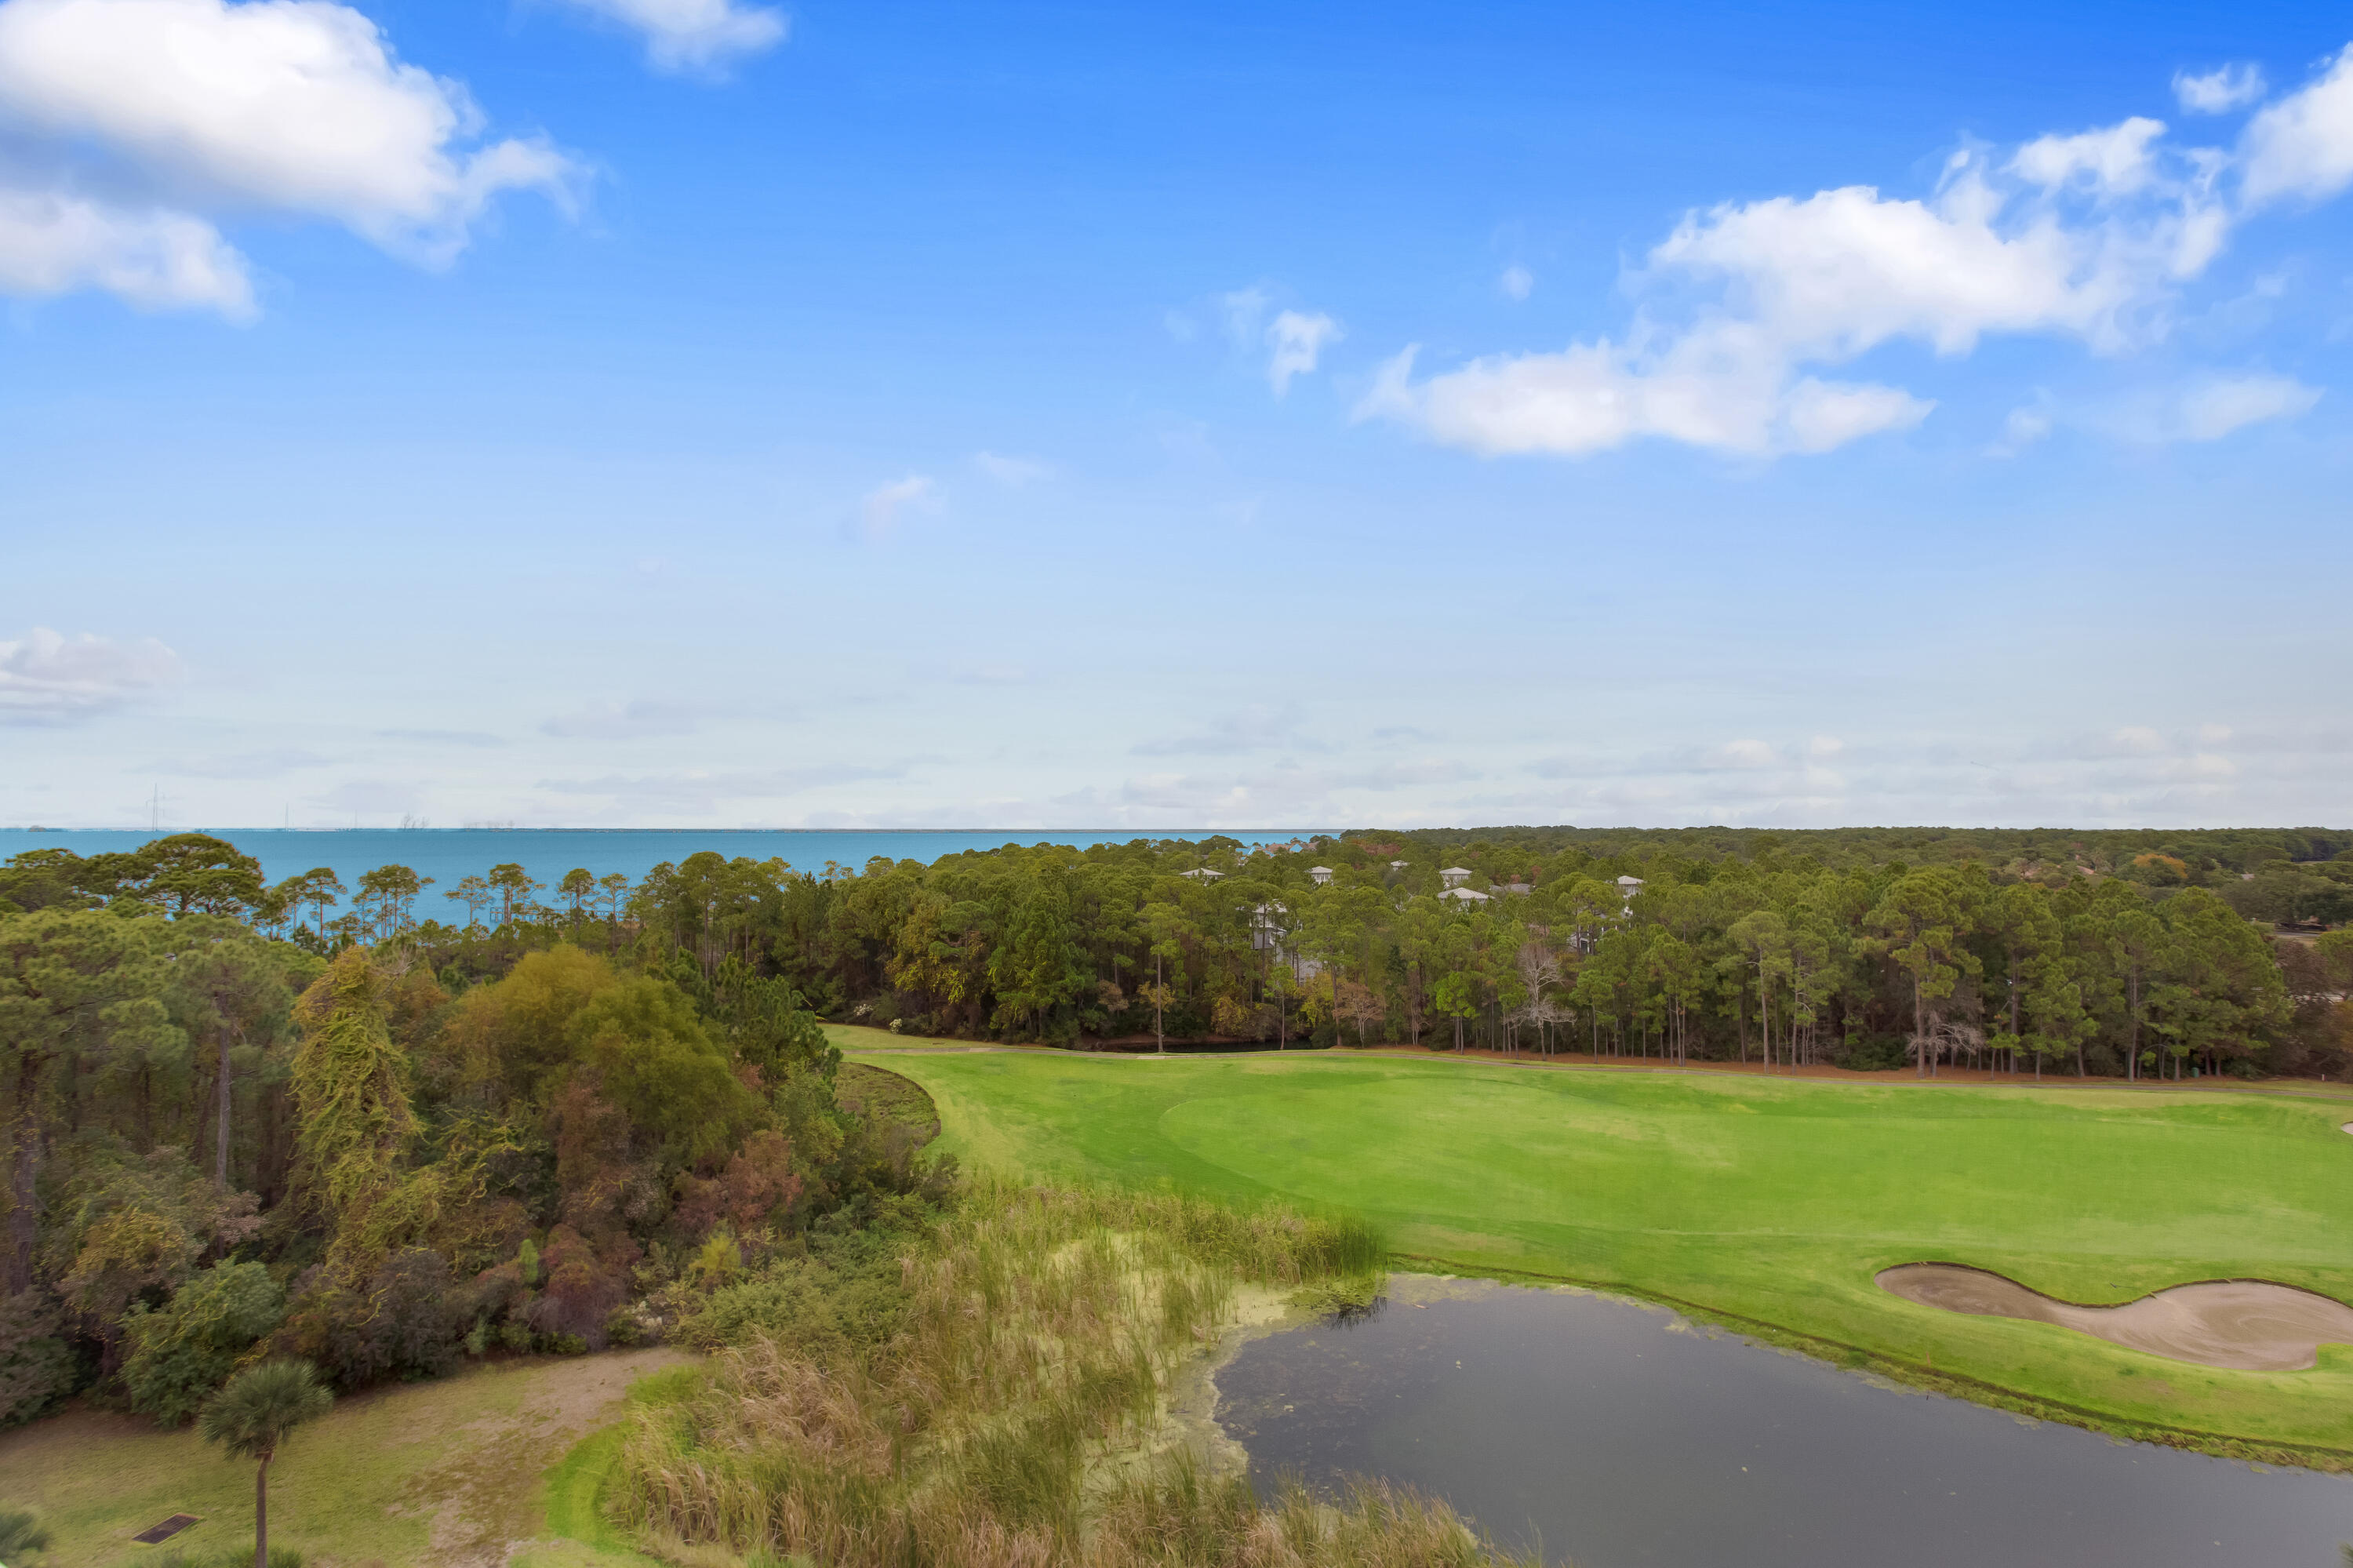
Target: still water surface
(1616,1435)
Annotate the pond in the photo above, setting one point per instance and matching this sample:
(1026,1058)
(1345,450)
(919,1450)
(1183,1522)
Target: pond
(1615,1435)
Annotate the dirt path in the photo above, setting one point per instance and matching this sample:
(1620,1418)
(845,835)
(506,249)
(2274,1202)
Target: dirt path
(484,1500)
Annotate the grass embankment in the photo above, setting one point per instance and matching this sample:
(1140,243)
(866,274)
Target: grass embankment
(1019,1410)
(1767,1204)
(448,1473)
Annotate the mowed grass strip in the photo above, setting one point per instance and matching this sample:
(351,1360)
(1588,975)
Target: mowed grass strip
(1774,1202)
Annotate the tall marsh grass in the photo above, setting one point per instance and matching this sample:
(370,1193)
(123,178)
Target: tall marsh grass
(1014,1418)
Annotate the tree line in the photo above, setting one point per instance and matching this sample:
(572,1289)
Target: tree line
(2113,954)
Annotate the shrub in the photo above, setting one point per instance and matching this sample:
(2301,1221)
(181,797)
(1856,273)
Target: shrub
(38,1366)
(181,1354)
(408,1323)
(582,1288)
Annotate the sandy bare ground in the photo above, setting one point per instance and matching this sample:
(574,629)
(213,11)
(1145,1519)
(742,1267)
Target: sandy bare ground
(481,1500)
(2252,1325)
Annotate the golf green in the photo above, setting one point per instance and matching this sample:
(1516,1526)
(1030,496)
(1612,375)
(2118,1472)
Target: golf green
(1773,1201)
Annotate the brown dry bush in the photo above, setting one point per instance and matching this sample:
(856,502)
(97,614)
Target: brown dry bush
(1041,1331)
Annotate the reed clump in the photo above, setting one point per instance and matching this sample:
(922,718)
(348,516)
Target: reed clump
(1014,1418)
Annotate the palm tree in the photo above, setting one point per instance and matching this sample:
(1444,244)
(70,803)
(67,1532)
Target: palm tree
(21,1535)
(252,1416)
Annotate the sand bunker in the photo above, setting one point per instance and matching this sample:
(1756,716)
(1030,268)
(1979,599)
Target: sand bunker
(2250,1324)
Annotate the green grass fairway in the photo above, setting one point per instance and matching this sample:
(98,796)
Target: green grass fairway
(1773,1201)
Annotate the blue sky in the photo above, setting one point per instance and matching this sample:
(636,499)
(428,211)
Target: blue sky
(689,412)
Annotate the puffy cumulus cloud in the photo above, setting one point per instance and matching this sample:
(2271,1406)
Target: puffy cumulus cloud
(47,678)
(2117,161)
(2302,147)
(694,35)
(1589,398)
(1791,283)
(209,107)
(2220,90)
(880,508)
(52,242)
(1745,309)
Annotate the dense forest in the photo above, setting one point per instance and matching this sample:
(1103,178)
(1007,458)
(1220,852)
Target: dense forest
(225,1145)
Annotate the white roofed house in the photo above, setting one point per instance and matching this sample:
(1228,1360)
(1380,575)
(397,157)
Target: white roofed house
(1466,897)
(1455,875)
(1203,874)
(1320,875)
(1627,887)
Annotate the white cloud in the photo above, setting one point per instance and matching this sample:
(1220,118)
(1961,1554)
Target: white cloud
(2303,144)
(2220,90)
(1011,471)
(878,513)
(45,678)
(55,243)
(694,35)
(1589,398)
(1296,342)
(2212,409)
(1517,282)
(2113,161)
(296,106)
(2085,235)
